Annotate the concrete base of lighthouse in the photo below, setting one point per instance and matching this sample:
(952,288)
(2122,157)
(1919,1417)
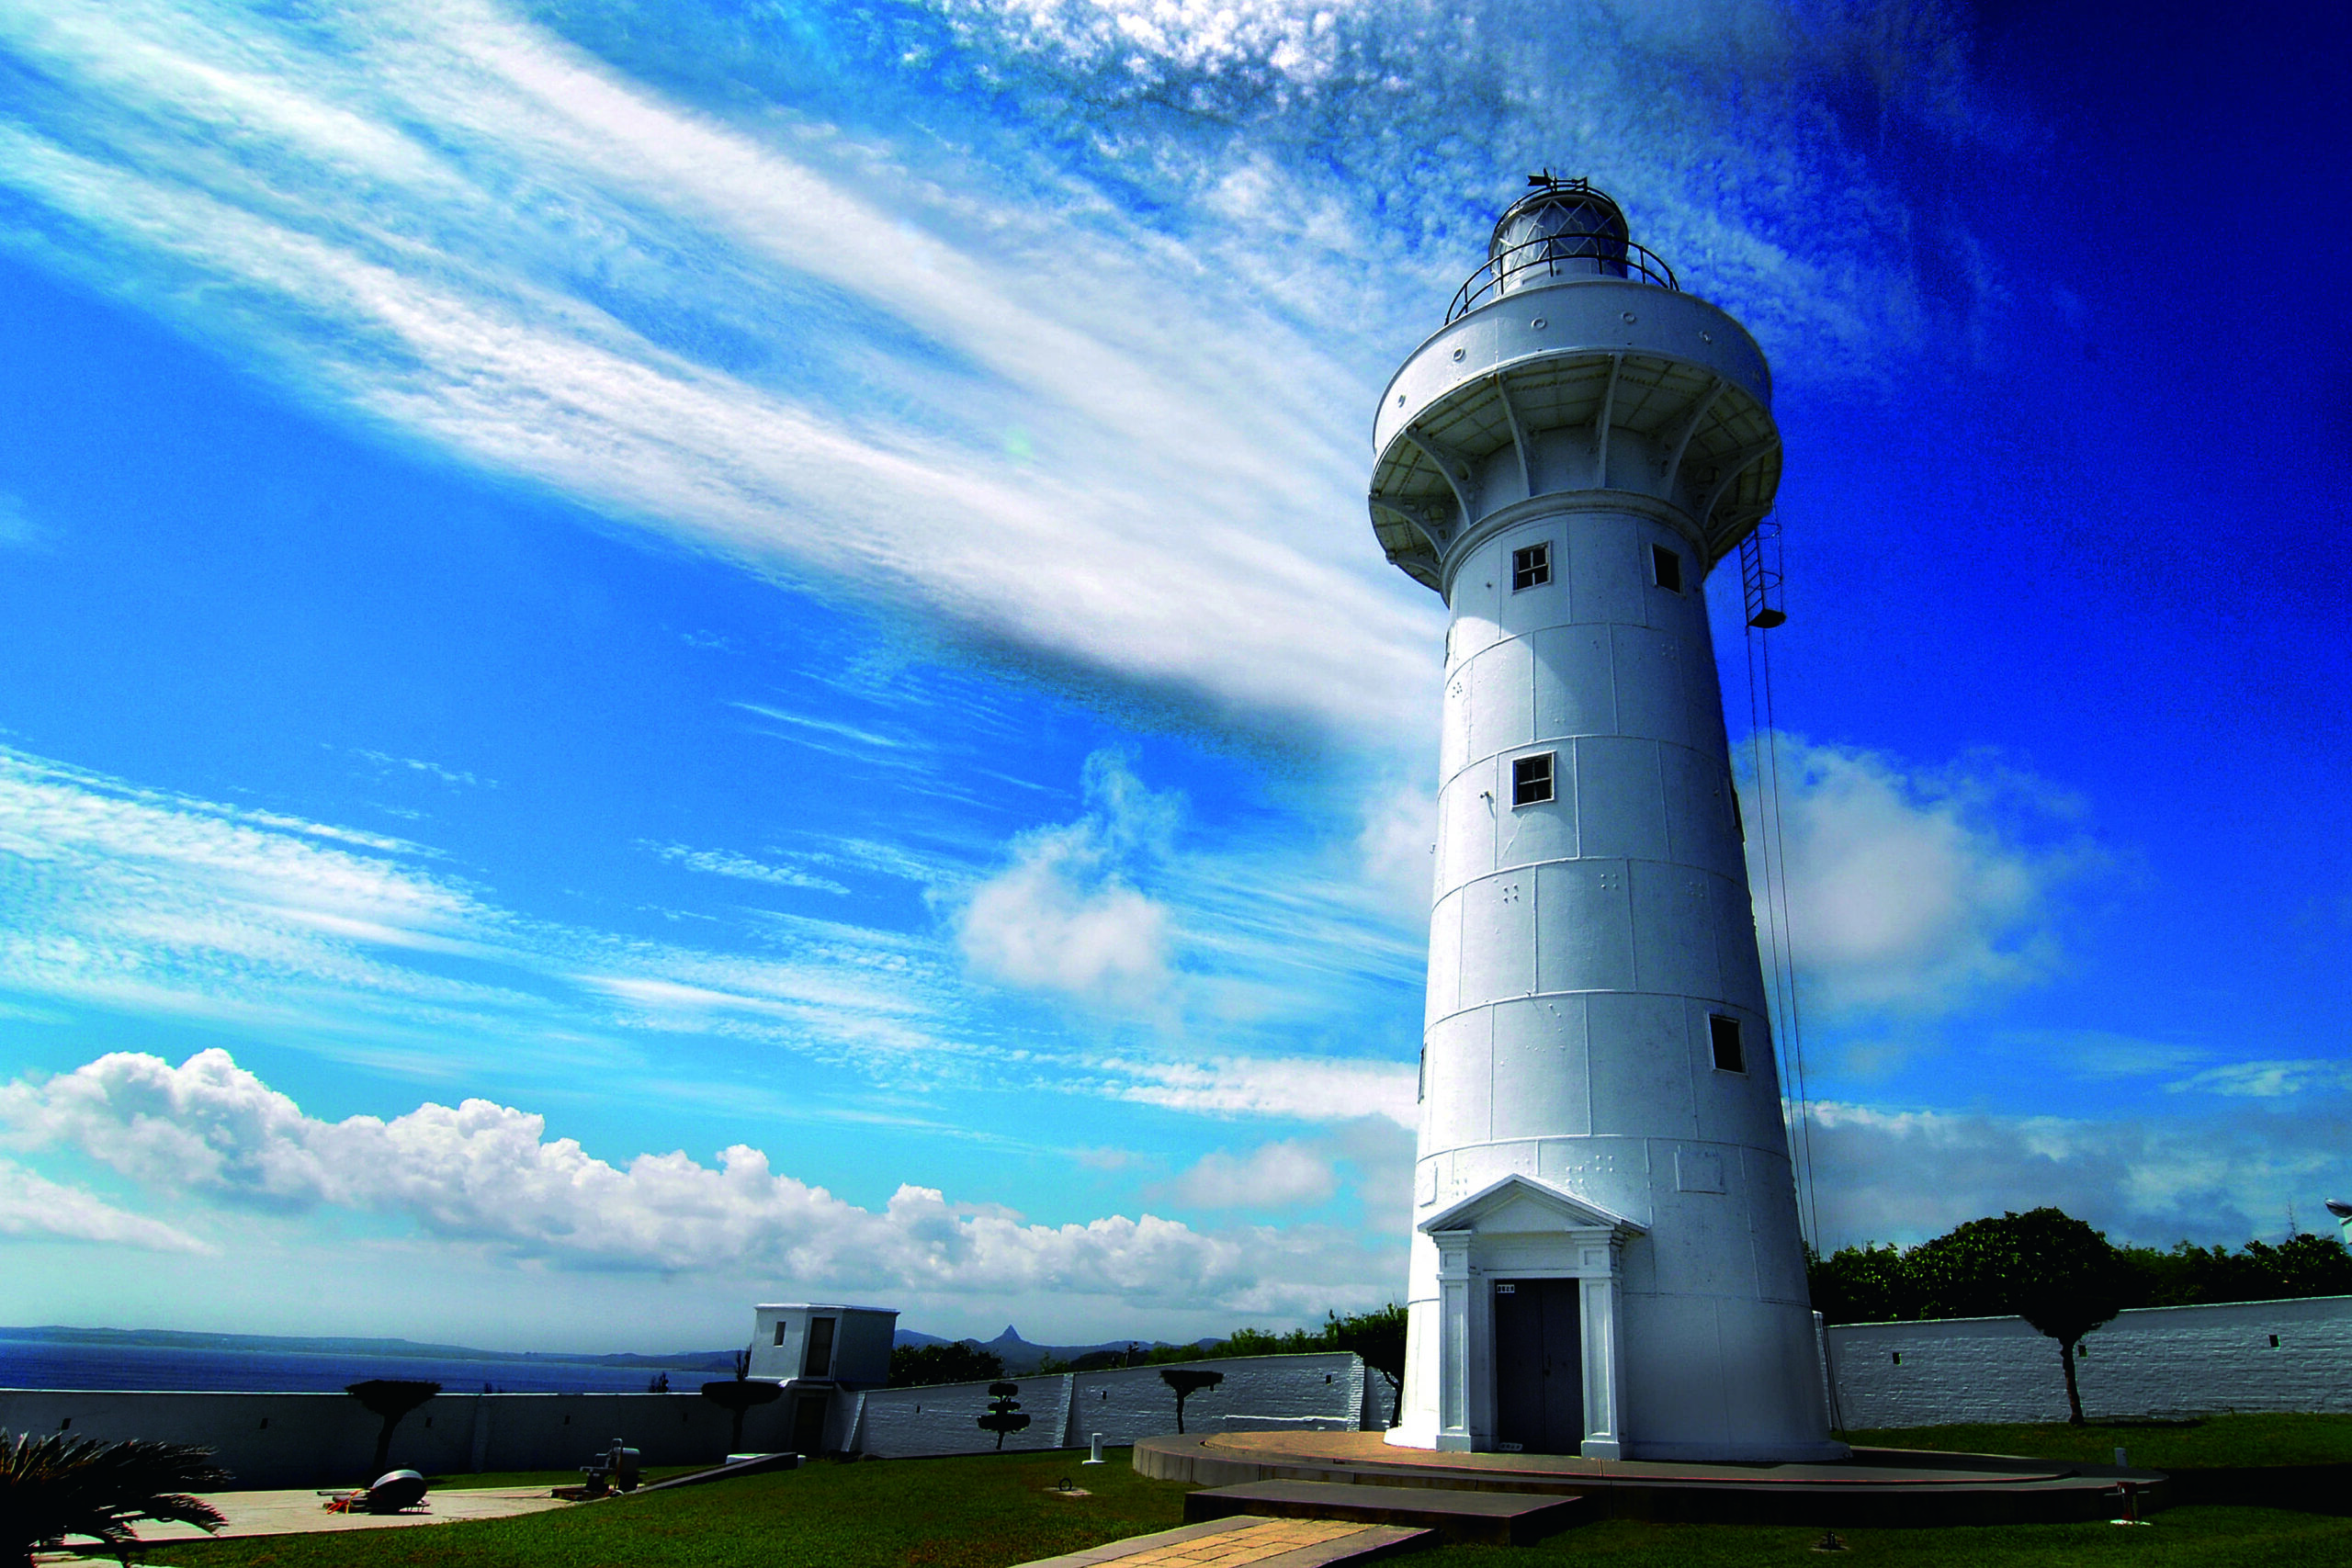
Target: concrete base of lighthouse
(1530,1333)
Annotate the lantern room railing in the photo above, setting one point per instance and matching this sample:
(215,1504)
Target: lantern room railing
(1531,262)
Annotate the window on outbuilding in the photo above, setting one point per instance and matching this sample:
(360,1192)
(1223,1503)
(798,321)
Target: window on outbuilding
(1665,567)
(1724,1033)
(779,1331)
(819,1361)
(1530,779)
(1530,568)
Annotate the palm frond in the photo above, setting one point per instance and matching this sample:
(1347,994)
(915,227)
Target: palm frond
(56,1486)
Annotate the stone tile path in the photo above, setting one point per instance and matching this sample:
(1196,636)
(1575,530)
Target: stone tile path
(1248,1541)
(300,1513)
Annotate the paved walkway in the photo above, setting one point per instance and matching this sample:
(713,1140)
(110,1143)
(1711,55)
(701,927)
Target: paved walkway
(1370,1451)
(1248,1541)
(301,1513)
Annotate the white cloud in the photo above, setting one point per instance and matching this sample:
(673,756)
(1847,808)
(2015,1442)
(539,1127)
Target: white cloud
(1904,1174)
(161,904)
(1913,891)
(17,529)
(380,265)
(431,770)
(726,862)
(1305,1088)
(2269,1080)
(1395,850)
(438,217)
(34,1208)
(489,1177)
(1271,1175)
(1064,915)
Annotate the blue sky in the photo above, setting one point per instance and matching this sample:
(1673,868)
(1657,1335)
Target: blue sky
(659,656)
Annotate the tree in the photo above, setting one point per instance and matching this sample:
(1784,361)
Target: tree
(1862,1284)
(2044,1265)
(919,1366)
(1187,1381)
(55,1486)
(1379,1338)
(738,1395)
(1004,1417)
(389,1399)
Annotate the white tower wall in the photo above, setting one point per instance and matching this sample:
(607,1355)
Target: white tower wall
(1576,1120)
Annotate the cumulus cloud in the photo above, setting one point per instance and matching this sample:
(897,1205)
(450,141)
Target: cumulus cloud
(490,1176)
(1064,916)
(1395,849)
(1904,1175)
(1271,1175)
(34,1208)
(1913,890)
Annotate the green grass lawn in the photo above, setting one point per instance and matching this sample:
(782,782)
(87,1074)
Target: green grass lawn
(2218,1440)
(991,1511)
(976,1512)
(2182,1538)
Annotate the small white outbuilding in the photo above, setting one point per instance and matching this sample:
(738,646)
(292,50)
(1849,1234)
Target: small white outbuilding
(820,1352)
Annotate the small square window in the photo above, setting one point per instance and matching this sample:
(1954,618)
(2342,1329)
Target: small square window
(1725,1033)
(1530,568)
(1665,567)
(1530,779)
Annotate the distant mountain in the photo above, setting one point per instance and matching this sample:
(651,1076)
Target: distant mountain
(1020,1357)
(333,1345)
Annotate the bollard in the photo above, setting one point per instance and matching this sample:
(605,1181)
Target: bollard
(1094,1451)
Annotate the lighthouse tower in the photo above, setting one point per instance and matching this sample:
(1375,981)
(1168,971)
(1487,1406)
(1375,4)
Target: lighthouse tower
(1605,1253)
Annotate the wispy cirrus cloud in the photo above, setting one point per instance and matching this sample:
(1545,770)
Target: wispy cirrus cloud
(726,862)
(33,1207)
(1098,402)
(150,902)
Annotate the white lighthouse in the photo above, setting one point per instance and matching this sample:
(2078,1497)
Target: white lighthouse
(1605,1252)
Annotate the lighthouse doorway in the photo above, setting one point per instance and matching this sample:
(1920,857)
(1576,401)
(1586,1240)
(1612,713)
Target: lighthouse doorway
(1539,1365)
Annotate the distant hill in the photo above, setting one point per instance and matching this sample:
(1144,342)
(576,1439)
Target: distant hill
(1020,1357)
(283,1344)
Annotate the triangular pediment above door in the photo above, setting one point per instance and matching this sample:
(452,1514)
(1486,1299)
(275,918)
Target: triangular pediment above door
(1520,1205)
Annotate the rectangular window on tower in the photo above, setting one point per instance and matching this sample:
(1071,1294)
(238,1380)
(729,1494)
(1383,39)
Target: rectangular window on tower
(1530,568)
(1530,779)
(1665,567)
(1725,1033)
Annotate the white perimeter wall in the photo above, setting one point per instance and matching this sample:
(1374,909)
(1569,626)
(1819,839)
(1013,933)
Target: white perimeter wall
(2149,1361)
(1323,1390)
(328,1439)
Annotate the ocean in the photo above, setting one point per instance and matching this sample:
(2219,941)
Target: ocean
(53,1363)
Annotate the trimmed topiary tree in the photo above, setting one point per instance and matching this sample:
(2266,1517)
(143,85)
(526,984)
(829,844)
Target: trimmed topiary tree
(389,1399)
(738,1395)
(1187,1381)
(1004,1417)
